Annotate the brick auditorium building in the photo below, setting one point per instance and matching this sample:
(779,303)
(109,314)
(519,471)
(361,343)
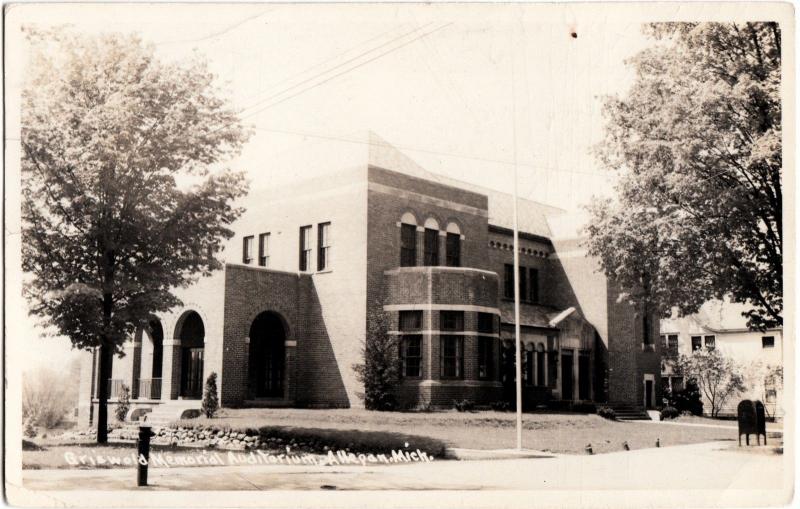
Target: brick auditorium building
(314,265)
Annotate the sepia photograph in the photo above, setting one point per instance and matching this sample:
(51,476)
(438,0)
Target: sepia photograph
(399,254)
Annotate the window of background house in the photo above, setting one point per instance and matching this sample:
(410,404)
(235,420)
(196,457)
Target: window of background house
(533,284)
(323,246)
(247,249)
(527,367)
(452,346)
(768,342)
(486,325)
(408,245)
(710,342)
(305,248)
(697,343)
(540,380)
(263,250)
(523,283)
(508,281)
(665,382)
(411,343)
(663,339)
(672,343)
(453,250)
(770,391)
(677,383)
(431,247)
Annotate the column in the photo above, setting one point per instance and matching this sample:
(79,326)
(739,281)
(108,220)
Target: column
(442,247)
(420,245)
(135,351)
(171,369)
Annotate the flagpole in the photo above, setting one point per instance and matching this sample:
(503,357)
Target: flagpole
(517,338)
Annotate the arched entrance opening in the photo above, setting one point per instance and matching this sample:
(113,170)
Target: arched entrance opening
(267,356)
(152,358)
(192,338)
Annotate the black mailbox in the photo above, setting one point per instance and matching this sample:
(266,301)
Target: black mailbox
(751,417)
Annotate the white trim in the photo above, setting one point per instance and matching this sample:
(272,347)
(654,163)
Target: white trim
(440,307)
(290,342)
(561,316)
(171,342)
(404,194)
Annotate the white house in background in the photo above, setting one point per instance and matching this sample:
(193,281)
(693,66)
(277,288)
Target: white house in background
(720,325)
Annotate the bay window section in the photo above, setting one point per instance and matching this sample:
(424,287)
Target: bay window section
(411,343)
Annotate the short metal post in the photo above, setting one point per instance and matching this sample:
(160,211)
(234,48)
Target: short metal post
(144,454)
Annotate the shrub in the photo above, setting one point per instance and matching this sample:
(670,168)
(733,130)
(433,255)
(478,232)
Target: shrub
(686,400)
(607,413)
(380,372)
(669,412)
(586,408)
(210,397)
(465,405)
(123,403)
(29,430)
(501,406)
(47,396)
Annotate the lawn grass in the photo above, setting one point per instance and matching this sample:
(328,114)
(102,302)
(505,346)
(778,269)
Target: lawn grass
(553,432)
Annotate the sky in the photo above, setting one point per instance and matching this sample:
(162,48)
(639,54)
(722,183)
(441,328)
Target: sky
(465,91)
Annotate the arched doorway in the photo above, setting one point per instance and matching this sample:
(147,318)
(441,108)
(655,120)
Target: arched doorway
(267,357)
(152,358)
(192,338)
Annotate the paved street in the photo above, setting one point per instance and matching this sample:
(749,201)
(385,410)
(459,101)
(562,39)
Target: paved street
(718,465)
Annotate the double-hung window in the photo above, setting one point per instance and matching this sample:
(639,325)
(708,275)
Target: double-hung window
(452,345)
(431,247)
(408,245)
(263,250)
(323,246)
(247,249)
(508,281)
(305,248)
(697,342)
(411,343)
(453,249)
(711,342)
(533,285)
(486,325)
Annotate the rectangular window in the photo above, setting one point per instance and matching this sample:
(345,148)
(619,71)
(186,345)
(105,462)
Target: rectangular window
(711,342)
(408,245)
(453,250)
(523,283)
(663,341)
(247,249)
(672,343)
(431,247)
(452,346)
(486,322)
(677,383)
(323,246)
(508,282)
(452,356)
(540,379)
(533,284)
(552,368)
(263,250)
(697,343)
(768,342)
(305,248)
(485,357)
(410,324)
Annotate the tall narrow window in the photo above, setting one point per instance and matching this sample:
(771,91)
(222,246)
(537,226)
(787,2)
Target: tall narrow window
(523,284)
(711,342)
(411,343)
(263,250)
(452,346)
(540,380)
(247,249)
(527,367)
(508,281)
(323,246)
(646,336)
(486,325)
(697,342)
(305,248)
(533,285)
(431,247)
(453,246)
(408,245)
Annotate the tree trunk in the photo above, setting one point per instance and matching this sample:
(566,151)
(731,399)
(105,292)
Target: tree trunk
(104,374)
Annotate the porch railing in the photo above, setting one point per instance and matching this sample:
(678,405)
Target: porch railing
(149,388)
(115,387)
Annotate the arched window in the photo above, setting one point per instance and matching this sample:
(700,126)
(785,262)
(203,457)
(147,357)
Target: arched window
(408,240)
(431,242)
(453,246)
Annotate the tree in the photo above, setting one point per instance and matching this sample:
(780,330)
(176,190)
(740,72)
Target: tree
(123,196)
(718,377)
(47,397)
(380,371)
(210,397)
(697,144)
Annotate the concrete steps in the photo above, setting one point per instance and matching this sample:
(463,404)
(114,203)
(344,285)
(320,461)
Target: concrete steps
(172,410)
(630,412)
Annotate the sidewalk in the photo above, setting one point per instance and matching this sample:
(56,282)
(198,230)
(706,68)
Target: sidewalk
(700,425)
